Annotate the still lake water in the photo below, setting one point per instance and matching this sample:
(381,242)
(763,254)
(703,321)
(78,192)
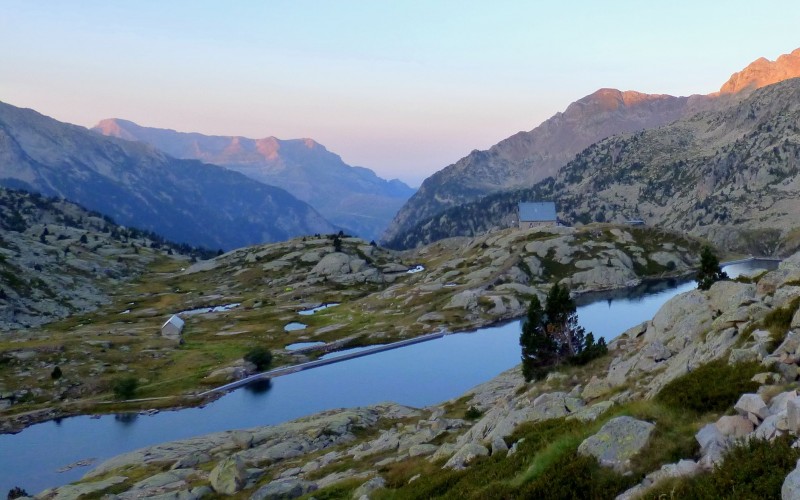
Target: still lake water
(417,375)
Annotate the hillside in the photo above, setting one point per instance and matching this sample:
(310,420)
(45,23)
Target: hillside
(528,157)
(730,175)
(183,200)
(58,259)
(350,197)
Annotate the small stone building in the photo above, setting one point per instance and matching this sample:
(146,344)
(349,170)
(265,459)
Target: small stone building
(172,328)
(537,214)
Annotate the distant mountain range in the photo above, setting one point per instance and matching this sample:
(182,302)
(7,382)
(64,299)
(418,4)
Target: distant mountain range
(351,197)
(526,158)
(731,175)
(184,200)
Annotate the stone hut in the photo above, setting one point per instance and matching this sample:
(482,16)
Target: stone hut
(172,328)
(537,214)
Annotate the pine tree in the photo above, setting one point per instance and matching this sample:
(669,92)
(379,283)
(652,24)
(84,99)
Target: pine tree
(538,348)
(552,336)
(562,323)
(710,271)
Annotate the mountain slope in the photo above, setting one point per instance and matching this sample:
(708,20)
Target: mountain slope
(527,157)
(351,197)
(730,174)
(186,201)
(58,259)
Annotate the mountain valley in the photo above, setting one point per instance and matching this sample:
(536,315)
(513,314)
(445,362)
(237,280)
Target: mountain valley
(353,198)
(184,200)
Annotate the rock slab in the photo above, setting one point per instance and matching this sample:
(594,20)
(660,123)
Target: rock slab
(617,442)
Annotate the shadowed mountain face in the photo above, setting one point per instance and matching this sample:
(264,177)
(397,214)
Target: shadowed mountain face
(528,157)
(185,200)
(351,197)
(730,174)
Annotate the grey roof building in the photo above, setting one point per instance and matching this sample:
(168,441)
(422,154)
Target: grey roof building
(540,213)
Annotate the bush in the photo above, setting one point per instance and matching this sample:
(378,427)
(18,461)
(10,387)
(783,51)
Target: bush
(472,413)
(16,492)
(715,386)
(710,272)
(576,476)
(125,388)
(260,357)
(779,320)
(753,469)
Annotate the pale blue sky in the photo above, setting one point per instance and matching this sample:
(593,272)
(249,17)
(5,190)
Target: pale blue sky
(404,88)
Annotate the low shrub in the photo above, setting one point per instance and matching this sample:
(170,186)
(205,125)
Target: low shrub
(472,413)
(260,357)
(715,386)
(753,469)
(16,492)
(125,388)
(779,321)
(576,476)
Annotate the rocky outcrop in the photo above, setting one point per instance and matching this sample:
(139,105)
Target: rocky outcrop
(229,476)
(689,330)
(619,440)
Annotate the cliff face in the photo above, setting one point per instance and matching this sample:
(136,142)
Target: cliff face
(351,197)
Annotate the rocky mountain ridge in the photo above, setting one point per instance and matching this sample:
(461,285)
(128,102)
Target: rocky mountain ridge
(184,200)
(606,420)
(528,157)
(763,72)
(730,175)
(350,197)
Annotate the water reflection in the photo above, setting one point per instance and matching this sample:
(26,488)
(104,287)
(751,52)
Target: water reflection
(258,387)
(126,418)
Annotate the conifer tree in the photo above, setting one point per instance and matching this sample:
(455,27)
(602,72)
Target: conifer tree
(552,336)
(710,271)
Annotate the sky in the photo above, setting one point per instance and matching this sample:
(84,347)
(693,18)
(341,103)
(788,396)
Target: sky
(404,87)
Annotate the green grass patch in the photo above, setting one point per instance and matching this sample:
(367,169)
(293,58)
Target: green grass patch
(713,387)
(779,320)
(752,470)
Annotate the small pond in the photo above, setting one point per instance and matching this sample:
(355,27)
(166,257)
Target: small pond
(294,326)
